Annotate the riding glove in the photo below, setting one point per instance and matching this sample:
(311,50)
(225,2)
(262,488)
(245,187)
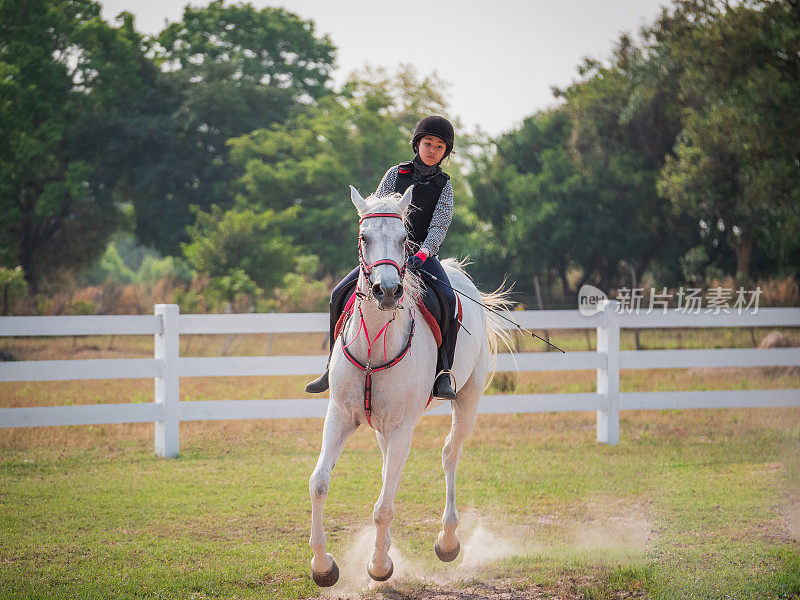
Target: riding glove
(416,261)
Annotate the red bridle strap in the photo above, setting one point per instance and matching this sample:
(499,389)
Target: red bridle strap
(365,268)
(368,368)
(395,215)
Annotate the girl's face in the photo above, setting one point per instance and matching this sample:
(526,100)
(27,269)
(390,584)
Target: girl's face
(431,150)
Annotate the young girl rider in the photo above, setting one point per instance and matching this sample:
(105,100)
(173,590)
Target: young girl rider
(429,217)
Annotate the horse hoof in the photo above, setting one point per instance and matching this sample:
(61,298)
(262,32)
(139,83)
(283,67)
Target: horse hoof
(327,579)
(384,577)
(447,556)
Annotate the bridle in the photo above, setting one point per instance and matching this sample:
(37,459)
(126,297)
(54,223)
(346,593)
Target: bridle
(368,369)
(366,269)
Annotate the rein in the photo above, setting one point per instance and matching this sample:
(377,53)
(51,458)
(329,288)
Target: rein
(368,368)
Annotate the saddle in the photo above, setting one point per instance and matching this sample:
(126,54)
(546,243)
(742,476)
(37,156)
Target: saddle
(432,305)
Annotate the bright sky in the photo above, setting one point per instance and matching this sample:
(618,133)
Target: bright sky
(501,57)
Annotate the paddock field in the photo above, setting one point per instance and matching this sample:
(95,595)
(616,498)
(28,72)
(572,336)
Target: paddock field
(691,504)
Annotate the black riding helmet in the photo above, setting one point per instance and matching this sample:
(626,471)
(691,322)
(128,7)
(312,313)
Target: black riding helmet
(437,126)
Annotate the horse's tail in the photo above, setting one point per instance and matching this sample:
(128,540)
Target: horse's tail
(497,331)
(496,328)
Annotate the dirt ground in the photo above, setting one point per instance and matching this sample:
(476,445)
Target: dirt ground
(487,589)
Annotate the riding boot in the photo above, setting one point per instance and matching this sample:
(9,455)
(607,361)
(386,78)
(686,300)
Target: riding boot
(442,387)
(320,384)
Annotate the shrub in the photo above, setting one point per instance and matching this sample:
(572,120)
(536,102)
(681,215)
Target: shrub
(14,287)
(82,307)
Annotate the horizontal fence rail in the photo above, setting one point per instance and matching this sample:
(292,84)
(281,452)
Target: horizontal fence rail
(63,370)
(84,325)
(167,367)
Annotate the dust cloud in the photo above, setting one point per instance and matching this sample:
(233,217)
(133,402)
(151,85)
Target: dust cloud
(596,535)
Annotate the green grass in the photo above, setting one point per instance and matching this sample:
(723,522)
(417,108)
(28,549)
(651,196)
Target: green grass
(691,504)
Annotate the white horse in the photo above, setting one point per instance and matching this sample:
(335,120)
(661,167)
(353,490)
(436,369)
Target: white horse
(399,395)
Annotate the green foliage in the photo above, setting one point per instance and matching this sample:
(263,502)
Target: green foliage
(555,208)
(113,269)
(229,70)
(735,166)
(241,250)
(301,290)
(154,269)
(234,285)
(307,164)
(266,47)
(678,156)
(675,151)
(189,300)
(60,62)
(124,262)
(43,306)
(13,285)
(82,307)
(90,121)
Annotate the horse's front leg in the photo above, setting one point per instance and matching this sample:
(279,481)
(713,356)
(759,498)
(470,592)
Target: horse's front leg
(396,445)
(338,427)
(465,410)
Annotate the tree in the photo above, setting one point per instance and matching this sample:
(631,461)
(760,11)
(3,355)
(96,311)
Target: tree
(521,218)
(571,195)
(624,122)
(232,69)
(59,61)
(735,167)
(241,250)
(308,163)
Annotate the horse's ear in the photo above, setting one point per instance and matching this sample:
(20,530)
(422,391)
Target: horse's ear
(405,201)
(358,201)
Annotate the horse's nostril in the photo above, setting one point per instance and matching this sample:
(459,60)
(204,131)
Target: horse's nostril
(398,292)
(377,290)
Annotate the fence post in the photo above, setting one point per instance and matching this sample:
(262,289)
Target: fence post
(608,376)
(167,392)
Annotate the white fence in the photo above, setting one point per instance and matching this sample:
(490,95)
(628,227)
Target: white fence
(167,367)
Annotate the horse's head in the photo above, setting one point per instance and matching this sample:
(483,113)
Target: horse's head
(382,245)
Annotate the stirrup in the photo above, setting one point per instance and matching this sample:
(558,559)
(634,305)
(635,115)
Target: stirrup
(319,385)
(448,394)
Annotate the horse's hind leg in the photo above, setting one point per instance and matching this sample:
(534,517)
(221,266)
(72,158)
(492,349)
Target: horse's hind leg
(337,429)
(464,409)
(395,447)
